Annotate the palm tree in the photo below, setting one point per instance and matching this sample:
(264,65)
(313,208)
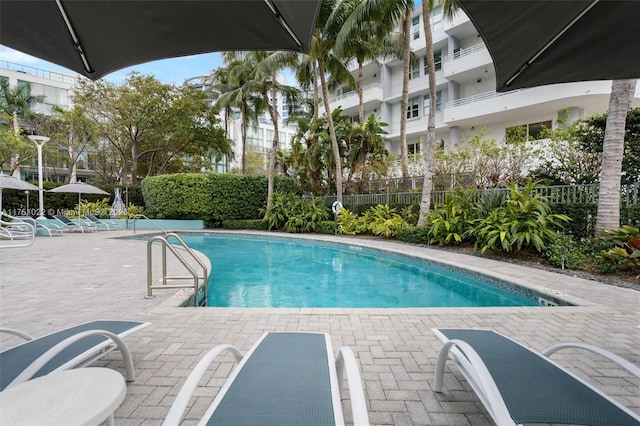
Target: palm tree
(333,14)
(378,18)
(622,92)
(265,82)
(427,186)
(17,101)
(239,75)
(405,52)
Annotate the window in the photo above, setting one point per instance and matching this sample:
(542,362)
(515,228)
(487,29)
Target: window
(426,105)
(536,129)
(437,59)
(413,108)
(413,148)
(532,131)
(415,27)
(415,70)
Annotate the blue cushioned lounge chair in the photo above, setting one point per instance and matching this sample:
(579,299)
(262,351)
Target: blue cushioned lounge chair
(69,348)
(286,378)
(102,223)
(520,386)
(70,225)
(50,230)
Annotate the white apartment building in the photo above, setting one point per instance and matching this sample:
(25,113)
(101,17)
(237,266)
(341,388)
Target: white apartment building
(259,135)
(56,89)
(467,102)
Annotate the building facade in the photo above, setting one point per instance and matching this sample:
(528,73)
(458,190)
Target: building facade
(466,102)
(260,134)
(56,90)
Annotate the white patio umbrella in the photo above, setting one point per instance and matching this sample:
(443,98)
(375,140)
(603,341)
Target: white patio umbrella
(79,188)
(10,182)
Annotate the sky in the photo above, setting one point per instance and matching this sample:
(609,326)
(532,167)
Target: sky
(168,71)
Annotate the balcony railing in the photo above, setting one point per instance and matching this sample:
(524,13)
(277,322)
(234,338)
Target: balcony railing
(355,92)
(461,53)
(50,75)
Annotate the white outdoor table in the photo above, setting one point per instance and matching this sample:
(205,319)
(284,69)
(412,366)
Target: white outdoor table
(83,396)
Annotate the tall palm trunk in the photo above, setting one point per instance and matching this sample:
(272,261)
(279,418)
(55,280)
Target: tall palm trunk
(243,135)
(404,103)
(612,152)
(360,93)
(427,186)
(332,131)
(273,151)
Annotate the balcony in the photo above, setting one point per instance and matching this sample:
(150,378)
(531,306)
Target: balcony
(480,107)
(49,75)
(464,65)
(371,93)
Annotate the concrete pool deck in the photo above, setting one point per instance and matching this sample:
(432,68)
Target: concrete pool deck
(65,280)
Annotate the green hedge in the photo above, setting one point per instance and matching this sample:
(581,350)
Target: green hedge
(214,198)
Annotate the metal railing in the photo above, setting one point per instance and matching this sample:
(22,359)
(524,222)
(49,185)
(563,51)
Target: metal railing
(558,194)
(141,216)
(197,279)
(16,232)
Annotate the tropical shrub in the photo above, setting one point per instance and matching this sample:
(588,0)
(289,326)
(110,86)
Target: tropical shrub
(99,209)
(278,214)
(565,252)
(525,222)
(450,222)
(413,234)
(383,220)
(625,253)
(295,214)
(348,222)
(306,215)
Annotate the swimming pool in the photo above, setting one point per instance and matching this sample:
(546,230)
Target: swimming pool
(266,271)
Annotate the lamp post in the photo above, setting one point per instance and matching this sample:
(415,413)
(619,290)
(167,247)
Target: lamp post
(40,141)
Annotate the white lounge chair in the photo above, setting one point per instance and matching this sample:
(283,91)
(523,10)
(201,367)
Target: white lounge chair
(51,230)
(286,378)
(72,226)
(520,386)
(102,223)
(68,348)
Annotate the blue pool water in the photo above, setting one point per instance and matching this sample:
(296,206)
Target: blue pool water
(255,271)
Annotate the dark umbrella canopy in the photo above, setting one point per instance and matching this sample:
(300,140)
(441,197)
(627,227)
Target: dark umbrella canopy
(96,37)
(540,42)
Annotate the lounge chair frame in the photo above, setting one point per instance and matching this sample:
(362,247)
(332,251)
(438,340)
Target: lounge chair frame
(101,223)
(481,380)
(70,225)
(79,356)
(343,363)
(51,229)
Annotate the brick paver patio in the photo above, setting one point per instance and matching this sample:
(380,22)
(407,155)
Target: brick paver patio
(64,280)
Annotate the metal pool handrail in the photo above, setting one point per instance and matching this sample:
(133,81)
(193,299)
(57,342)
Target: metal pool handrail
(194,274)
(140,216)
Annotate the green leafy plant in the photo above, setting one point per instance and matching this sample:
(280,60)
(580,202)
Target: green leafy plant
(626,251)
(131,212)
(525,222)
(450,221)
(306,215)
(348,222)
(566,252)
(383,220)
(414,234)
(279,212)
